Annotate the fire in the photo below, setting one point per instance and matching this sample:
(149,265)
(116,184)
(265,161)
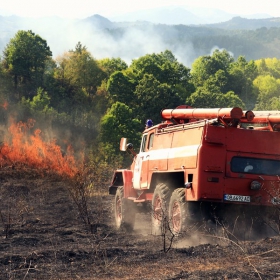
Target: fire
(24,147)
(5,105)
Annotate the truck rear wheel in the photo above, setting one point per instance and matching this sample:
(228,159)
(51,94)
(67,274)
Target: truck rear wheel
(160,208)
(125,211)
(183,214)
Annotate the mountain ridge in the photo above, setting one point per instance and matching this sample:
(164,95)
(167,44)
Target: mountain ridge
(182,15)
(237,23)
(252,38)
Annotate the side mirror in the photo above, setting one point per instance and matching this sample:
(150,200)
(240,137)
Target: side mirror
(123,144)
(129,146)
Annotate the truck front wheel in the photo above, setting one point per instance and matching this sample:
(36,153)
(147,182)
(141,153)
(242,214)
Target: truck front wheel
(124,211)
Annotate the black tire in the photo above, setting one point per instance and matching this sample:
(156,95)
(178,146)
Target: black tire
(184,215)
(125,211)
(160,203)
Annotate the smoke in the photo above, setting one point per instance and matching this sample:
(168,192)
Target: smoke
(127,43)
(220,49)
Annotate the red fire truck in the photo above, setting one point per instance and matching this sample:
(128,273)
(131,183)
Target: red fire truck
(197,163)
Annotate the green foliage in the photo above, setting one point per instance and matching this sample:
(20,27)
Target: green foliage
(119,122)
(242,75)
(41,101)
(24,58)
(152,96)
(74,85)
(206,67)
(268,88)
(164,67)
(205,99)
(230,99)
(79,69)
(6,85)
(38,108)
(268,66)
(111,65)
(121,88)
(100,100)
(151,83)
(219,73)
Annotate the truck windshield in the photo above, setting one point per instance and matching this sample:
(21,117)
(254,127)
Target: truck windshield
(255,166)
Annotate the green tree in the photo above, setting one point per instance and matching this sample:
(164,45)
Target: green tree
(269,66)
(79,69)
(38,108)
(118,122)
(242,75)
(41,101)
(164,67)
(121,88)
(152,97)
(205,67)
(271,104)
(217,83)
(100,100)
(230,99)
(75,82)
(219,73)
(150,82)
(205,99)
(111,65)
(24,58)
(6,85)
(268,88)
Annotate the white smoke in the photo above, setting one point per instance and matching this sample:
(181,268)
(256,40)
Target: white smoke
(219,49)
(128,44)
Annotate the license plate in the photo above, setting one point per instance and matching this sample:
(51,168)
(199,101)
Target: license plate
(239,198)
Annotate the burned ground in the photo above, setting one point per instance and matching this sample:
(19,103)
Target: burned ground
(43,237)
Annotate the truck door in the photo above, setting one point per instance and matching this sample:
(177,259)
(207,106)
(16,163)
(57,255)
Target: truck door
(139,172)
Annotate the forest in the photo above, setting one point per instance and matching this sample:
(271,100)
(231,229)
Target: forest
(92,103)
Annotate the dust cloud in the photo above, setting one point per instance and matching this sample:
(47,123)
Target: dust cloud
(235,224)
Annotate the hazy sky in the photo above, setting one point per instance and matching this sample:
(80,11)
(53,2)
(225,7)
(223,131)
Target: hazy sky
(107,8)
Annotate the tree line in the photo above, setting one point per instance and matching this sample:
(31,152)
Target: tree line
(94,102)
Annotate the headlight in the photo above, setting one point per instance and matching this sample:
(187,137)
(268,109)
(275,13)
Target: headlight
(255,185)
(188,185)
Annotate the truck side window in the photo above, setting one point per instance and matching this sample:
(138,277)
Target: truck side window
(151,141)
(255,166)
(143,143)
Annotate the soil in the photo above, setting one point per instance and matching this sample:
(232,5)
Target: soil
(44,236)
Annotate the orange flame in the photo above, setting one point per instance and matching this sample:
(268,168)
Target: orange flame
(5,105)
(31,150)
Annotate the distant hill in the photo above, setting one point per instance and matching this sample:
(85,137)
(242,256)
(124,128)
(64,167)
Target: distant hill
(181,15)
(161,15)
(98,21)
(252,38)
(236,23)
(239,23)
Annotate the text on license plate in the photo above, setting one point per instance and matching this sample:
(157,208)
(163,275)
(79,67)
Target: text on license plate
(240,198)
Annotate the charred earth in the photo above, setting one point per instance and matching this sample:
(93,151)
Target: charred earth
(43,236)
